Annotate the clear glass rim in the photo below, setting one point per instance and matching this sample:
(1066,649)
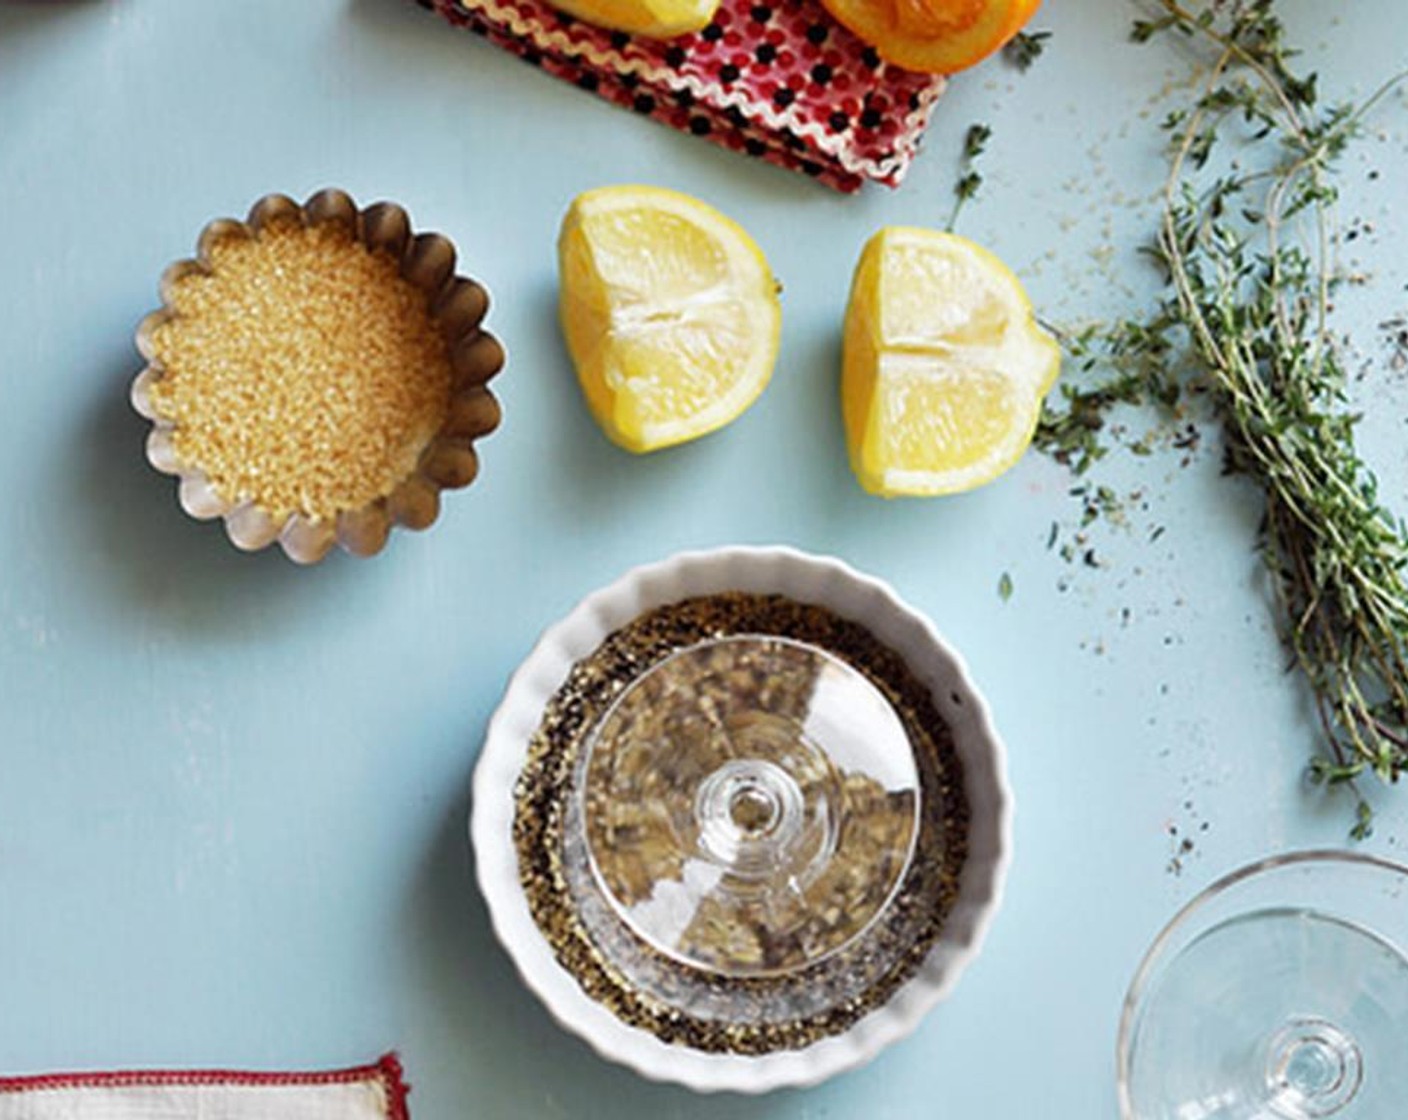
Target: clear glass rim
(579,796)
(1219,887)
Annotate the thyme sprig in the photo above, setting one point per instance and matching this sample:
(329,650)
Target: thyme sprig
(1246,243)
(975,143)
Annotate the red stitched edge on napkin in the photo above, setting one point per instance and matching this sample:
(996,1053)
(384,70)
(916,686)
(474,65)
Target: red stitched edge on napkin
(388,1070)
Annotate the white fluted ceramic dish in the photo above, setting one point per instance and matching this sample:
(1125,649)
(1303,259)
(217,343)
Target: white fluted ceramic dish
(808,579)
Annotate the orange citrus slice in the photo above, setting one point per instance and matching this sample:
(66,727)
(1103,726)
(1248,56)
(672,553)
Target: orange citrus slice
(934,36)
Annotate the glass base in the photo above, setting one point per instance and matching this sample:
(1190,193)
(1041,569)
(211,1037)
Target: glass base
(1313,1068)
(749,805)
(1289,1012)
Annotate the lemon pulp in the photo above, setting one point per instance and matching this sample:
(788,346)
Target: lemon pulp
(944,366)
(670,313)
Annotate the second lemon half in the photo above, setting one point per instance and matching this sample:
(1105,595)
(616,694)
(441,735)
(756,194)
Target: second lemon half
(670,313)
(944,365)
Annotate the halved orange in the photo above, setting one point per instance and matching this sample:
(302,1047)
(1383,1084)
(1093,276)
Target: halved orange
(934,36)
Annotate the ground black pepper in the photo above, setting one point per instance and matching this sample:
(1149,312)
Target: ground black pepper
(883,959)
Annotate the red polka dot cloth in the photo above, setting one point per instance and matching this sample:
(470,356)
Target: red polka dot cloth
(781,81)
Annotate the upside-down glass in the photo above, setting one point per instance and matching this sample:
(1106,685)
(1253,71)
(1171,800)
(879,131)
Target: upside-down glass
(1279,993)
(733,795)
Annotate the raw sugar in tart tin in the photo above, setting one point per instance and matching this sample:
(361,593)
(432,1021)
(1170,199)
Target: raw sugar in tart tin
(741,819)
(316,375)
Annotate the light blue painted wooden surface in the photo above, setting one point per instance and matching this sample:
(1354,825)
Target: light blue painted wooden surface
(233,793)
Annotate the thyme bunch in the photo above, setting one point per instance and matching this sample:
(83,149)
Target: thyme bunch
(1246,243)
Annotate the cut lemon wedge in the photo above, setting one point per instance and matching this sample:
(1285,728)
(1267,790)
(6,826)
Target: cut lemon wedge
(933,36)
(655,19)
(944,366)
(670,313)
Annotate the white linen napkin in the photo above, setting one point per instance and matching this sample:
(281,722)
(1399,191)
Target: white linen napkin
(374,1092)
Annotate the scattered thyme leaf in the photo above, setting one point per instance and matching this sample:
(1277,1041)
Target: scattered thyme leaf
(1024,48)
(1395,337)
(1363,821)
(1004,587)
(975,142)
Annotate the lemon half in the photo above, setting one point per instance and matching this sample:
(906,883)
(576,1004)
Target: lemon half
(670,313)
(655,19)
(944,367)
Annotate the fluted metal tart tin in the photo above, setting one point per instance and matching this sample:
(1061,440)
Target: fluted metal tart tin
(456,305)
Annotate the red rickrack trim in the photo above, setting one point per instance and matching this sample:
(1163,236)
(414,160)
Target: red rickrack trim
(393,1077)
(387,1070)
(779,80)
